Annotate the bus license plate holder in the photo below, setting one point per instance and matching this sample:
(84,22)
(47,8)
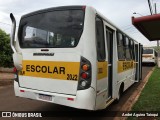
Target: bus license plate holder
(45,97)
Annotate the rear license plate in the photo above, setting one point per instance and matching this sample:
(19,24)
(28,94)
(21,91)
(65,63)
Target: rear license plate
(45,97)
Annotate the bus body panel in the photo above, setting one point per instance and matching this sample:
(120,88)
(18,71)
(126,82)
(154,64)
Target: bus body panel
(87,44)
(128,77)
(50,75)
(51,70)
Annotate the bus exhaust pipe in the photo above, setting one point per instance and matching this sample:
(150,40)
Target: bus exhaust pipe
(13,30)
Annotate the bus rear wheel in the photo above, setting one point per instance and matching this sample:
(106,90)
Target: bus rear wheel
(120,92)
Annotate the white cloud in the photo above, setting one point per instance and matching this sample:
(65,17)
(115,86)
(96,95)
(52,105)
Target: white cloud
(119,12)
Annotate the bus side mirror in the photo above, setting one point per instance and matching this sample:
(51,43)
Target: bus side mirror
(13,30)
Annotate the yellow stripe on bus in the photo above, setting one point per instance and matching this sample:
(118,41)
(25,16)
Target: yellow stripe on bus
(102,70)
(50,69)
(125,65)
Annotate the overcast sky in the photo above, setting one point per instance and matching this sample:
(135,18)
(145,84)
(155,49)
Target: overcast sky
(117,11)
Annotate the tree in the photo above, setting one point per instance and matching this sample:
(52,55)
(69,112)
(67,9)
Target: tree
(5,50)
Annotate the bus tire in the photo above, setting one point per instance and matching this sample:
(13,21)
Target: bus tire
(120,93)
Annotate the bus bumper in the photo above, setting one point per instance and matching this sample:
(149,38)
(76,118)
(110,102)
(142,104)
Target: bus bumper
(84,99)
(149,61)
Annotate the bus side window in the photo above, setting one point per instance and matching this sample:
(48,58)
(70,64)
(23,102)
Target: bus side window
(120,46)
(132,49)
(127,49)
(101,53)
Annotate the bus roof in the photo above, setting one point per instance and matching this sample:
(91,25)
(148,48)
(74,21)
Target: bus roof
(53,9)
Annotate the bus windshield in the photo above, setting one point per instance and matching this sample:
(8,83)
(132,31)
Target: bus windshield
(147,51)
(55,29)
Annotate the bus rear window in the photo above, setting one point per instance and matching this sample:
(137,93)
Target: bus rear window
(56,29)
(147,51)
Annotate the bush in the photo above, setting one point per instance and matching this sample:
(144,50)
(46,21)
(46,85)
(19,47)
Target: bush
(5,50)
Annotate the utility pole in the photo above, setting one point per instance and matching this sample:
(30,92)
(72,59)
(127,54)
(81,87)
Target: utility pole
(155,6)
(150,7)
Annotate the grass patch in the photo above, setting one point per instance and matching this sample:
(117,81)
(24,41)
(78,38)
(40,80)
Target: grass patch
(149,99)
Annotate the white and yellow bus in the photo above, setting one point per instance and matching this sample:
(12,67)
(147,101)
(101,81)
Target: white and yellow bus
(73,56)
(149,56)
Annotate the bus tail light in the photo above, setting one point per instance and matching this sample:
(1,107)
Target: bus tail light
(16,78)
(22,91)
(85,74)
(14,69)
(71,99)
(83,83)
(83,8)
(85,67)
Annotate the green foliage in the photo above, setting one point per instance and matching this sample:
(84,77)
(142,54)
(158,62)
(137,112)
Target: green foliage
(5,50)
(155,47)
(149,99)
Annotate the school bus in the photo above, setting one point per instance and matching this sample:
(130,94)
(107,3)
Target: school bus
(149,56)
(73,56)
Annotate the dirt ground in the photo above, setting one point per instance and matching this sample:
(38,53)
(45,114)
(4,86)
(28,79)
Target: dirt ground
(6,76)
